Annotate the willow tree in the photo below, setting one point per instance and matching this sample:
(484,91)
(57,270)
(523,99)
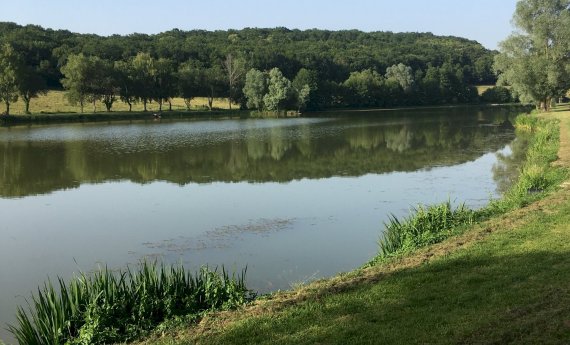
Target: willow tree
(535,60)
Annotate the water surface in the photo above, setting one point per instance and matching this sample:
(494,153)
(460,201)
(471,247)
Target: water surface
(293,199)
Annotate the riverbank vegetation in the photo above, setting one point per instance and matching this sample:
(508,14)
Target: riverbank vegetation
(107,307)
(432,224)
(324,68)
(499,280)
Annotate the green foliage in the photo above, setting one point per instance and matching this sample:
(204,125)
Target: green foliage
(402,74)
(190,78)
(535,61)
(278,90)
(109,307)
(255,88)
(365,88)
(497,94)
(426,225)
(325,60)
(9,65)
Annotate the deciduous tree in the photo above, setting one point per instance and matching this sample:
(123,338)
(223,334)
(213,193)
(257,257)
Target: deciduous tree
(255,88)
(278,90)
(535,60)
(9,65)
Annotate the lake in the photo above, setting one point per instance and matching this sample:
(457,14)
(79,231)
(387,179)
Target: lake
(291,199)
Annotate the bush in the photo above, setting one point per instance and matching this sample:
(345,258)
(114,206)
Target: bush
(497,94)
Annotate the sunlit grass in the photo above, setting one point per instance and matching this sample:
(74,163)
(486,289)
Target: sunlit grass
(483,88)
(55,102)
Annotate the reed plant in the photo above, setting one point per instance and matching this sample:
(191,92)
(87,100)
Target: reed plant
(109,307)
(426,225)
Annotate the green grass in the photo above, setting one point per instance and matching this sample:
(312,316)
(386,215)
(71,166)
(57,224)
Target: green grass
(108,307)
(55,102)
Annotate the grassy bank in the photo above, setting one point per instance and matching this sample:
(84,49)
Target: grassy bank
(503,279)
(53,107)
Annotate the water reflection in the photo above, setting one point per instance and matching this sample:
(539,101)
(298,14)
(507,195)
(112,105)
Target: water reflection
(39,160)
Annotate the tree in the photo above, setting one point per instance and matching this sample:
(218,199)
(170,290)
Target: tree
(107,80)
(190,79)
(535,61)
(305,83)
(255,88)
(364,88)
(278,90)
(30,85)
(144,77)
(235,69)
(402,74)
(9,65)
(77,77)
(125,75)
(213,83)
(165,82)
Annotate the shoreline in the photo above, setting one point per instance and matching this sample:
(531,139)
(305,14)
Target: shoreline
(315,305)
(63,118)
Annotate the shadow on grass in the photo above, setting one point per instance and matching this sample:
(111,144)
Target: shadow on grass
(466,299)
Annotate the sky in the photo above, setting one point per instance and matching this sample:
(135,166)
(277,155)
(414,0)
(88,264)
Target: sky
(486,21)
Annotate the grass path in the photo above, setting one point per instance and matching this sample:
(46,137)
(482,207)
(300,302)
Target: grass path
(506,281)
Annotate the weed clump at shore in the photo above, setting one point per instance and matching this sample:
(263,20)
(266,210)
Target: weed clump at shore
(109,307)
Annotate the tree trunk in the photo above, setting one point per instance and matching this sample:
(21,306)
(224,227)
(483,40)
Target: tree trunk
(169,104)
(26,104)
(210,102)
(81,105)
(144,104)
(160,105)
(130,106)
(94,107)
(7,108)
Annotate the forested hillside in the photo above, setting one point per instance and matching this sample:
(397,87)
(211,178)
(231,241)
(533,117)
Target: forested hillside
(338,68)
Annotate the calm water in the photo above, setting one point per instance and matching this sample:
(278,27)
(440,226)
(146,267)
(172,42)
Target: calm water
(293,199)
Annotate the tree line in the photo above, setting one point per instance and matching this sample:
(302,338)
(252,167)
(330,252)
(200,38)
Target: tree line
(265,69)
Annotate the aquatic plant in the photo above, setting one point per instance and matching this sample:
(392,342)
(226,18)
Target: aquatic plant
(426,225)
(107,307)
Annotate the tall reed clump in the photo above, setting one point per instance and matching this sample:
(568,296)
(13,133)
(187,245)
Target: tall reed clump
(426,225)
(432,224)
(109,307)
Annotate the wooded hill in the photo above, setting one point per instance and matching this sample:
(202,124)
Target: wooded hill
(349,68)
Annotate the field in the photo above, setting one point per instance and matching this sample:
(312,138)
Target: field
(483,88)
(55,102)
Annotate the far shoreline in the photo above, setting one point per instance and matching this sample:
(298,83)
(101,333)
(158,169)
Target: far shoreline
(222,114)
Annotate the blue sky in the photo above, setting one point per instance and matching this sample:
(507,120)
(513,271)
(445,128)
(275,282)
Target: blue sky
(487,21)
